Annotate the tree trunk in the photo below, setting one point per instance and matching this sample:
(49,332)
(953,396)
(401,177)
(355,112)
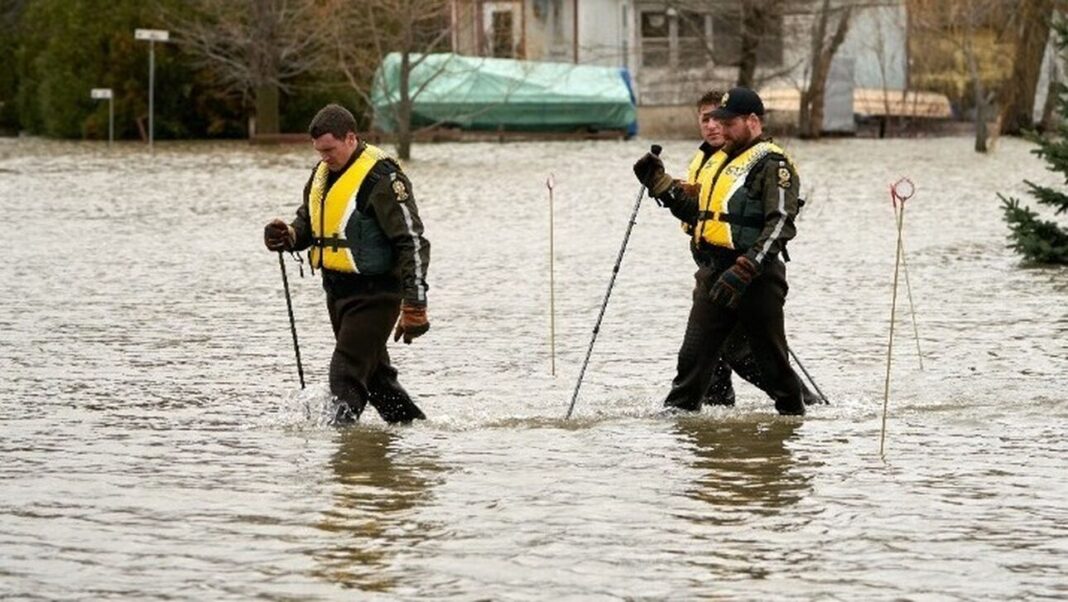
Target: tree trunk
(823,51)
(266,109)
(1050,115)
(754,18)
(981,133)
(403,110)
(1030,36)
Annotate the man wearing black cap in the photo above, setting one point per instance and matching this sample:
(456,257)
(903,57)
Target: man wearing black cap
(742,211)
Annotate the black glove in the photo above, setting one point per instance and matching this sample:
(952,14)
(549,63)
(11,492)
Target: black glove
(278,236)
(728,290)
(650,172)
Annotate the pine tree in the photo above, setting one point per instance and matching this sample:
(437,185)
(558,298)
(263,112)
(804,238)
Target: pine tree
(1036,239)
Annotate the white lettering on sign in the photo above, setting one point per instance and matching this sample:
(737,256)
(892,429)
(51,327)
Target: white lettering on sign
(155,35)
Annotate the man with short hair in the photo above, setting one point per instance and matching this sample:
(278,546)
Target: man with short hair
(742,211)
(361,223)
(736,354)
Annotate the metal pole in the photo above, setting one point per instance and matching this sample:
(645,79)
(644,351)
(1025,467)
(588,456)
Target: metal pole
(111,121)
(151,93)
(897,193)
(552,280)
(292,320)
(912,306)
(809,376)
(890,344)
(604,304)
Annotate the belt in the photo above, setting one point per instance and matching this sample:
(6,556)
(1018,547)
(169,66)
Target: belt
(333,242)
(751,221)
(713,256)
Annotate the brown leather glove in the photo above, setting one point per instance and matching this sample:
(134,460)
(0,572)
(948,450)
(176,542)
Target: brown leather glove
(730,287)
(412,323)
(279,236)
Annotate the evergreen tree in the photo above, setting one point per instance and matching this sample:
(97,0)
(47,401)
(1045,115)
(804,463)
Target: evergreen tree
(1036,239)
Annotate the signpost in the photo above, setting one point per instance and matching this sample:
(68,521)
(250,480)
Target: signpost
(105,94)
(151,36)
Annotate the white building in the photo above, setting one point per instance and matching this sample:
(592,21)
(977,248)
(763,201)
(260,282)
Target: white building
(677,50)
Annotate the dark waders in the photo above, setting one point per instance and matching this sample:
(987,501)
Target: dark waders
(363,317)
(710,325)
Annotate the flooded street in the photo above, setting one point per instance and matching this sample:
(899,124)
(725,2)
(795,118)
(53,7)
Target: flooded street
(155,443)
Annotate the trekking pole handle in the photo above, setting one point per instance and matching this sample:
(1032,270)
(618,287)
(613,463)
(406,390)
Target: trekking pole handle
(655,149)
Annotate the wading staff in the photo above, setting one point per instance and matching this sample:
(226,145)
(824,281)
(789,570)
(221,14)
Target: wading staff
(797,361)
(655,149)
(292,321)
(902,190)
(549,183)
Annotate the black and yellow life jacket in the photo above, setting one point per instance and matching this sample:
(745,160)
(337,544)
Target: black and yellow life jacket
(697,165)
(344,237)
(728,216)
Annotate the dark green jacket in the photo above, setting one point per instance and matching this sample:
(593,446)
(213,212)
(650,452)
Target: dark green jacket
(386,196)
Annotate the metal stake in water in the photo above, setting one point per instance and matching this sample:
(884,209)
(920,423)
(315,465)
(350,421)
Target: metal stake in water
(902,190)
(106,94)
(908,290)
(604,304)
(550,183)
(151,36)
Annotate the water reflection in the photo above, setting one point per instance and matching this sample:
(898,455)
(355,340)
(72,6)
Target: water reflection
(376,511)
(746,467)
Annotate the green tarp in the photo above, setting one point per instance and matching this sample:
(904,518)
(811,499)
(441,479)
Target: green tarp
(475,93)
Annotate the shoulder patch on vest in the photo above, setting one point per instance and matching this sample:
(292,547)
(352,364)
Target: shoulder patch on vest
(400,190)
(784,176)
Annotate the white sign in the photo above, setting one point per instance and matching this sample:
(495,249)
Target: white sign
(100,93)
(155,35)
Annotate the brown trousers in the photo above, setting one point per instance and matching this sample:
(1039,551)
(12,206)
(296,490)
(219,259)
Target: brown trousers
(360,371)
(709,326)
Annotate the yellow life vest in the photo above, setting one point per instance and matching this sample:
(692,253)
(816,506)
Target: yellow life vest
(727,216)
(337,227)
(697,165)
(693,172)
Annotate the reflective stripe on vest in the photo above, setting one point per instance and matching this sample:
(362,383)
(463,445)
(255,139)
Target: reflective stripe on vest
(720,180)
(330,216)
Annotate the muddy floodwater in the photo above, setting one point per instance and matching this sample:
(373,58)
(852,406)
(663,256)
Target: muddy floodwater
(155,443)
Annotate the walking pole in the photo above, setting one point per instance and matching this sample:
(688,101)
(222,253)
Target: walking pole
(292,321)
(809,376)
(902,190)
(549,183)
(615,270)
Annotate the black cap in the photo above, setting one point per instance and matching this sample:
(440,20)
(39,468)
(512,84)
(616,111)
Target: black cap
(739,101)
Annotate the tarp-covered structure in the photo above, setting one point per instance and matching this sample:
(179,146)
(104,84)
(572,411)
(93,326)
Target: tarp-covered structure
(490,94)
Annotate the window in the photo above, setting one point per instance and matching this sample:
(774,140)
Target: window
(672,38)
(656,39)
(503,33)
(727,38)
(693,51)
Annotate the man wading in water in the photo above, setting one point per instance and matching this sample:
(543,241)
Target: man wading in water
(362,226)
(742,213)
(736,354)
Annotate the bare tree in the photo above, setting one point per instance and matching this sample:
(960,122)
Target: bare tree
(828,32)
(756,15)
(364,33)
(256,48)
(1029,30)
(964,46)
